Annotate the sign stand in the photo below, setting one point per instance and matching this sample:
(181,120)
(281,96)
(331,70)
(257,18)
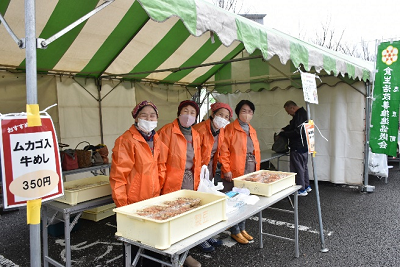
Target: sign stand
(321,228)
(311,96)
(31,43)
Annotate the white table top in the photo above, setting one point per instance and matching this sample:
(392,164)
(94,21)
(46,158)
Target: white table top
(233,218)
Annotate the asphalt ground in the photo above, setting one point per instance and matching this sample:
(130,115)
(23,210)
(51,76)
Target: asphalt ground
(360,229)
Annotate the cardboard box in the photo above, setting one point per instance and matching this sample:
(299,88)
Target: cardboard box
(266,189)
(161,234)
(85,189)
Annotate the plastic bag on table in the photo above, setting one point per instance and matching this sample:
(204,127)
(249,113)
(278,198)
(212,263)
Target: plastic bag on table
(244,195)
(208,186)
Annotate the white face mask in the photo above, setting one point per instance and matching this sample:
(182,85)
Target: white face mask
(186,120)
(219,122)
(146,126)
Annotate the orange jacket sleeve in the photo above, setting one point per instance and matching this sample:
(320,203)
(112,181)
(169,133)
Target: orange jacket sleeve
(122,159)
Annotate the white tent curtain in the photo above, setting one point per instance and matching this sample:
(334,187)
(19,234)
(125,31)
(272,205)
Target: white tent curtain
(339,116)
(13,94)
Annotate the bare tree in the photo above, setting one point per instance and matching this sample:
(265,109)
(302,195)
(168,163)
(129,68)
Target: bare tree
(234,6)
(328,37)
(332,38)
(364,50)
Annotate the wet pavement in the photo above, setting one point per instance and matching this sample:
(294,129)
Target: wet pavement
(360,229)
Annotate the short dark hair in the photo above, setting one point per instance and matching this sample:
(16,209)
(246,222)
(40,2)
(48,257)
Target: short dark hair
(289,103)
(244,102)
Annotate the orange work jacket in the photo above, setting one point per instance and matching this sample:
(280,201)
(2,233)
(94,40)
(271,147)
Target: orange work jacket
(172,136)
(233,150)
(136,172)
(207,143)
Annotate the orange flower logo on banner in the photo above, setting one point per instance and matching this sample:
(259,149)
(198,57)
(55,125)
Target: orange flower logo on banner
(389,55)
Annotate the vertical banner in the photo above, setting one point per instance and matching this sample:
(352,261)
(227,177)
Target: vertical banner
(309,129)
(30,161)
(309,87)
(386,96)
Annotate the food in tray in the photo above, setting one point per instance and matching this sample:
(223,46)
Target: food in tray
(169,209)
(85,186)
(265,177)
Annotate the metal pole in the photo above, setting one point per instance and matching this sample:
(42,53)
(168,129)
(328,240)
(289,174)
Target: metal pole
(31,98)
(368,110)
(99,99)
(366,187)
(321,228)
(30,41)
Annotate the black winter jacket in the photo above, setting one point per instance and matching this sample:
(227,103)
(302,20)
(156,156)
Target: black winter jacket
(292,131)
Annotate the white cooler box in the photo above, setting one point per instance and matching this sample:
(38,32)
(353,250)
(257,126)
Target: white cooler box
(161,234)
(266,189)
(85,189)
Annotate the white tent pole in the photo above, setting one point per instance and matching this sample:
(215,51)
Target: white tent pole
(30,44)
(368,109)
(321,228)
(366,187)
(31,98)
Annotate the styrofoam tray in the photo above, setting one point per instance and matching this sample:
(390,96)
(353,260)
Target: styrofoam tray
(266,189)
(161,234)
(85,189)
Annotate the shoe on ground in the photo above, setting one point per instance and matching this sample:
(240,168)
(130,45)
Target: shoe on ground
(308,189)
(246,235)
(240,239)
(191,262)
(302,193)
(215,242)
(206,247)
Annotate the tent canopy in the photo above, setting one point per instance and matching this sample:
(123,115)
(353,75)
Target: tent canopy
(127,40)
(163,51)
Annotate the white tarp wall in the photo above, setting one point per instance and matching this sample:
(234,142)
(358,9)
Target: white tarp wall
(79,108)
(340,116)
(13,94)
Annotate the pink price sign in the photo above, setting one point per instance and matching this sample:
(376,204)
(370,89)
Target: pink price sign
(30,161)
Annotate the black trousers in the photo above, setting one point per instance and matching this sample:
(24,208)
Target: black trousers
(299,165)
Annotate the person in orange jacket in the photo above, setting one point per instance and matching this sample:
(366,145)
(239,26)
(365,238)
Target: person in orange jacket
(138,159)
(139,163)
(184,155)
(239,155)
(212,136)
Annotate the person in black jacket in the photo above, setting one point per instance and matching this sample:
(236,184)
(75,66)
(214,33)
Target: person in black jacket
(298,145)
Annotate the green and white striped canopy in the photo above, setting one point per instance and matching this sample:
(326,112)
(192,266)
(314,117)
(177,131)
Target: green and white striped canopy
(168,41)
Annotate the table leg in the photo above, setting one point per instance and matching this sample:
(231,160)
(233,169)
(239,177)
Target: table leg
(128,261)
(67,235)
(296,225)
(260,229)
(175,261)
(137,256)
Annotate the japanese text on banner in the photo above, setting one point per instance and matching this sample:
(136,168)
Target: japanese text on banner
(30,161)
(386,95)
